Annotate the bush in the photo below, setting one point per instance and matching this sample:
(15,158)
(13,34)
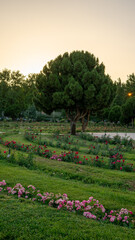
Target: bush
(26,161)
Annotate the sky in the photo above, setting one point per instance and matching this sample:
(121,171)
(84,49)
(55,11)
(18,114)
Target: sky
(33,32)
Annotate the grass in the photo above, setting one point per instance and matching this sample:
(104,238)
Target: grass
(50,127)
(25,218)
(22,219)
(42,222)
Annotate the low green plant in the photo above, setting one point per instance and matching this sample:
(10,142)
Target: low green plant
(26,161)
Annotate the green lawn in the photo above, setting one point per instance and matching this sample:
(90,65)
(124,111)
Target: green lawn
(24,219)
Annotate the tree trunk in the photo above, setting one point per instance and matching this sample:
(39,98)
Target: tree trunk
(73,128)
(85,122)
(83,125)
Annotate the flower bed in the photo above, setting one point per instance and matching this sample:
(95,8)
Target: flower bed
(115,160)
(90,208)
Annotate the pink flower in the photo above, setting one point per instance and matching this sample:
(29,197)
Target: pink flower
(102,208)
(88,207)
(3,183)
(39,195)
(31,186)
(90,198)
(89,215)
(60,206)
(119,218)
(65,195)
(9,189)
(112,219)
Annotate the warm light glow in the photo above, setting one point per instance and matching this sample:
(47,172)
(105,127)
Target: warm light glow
(34,32)
(129,94)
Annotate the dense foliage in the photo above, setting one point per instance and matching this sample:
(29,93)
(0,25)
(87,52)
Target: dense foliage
(16,93)
(75,82)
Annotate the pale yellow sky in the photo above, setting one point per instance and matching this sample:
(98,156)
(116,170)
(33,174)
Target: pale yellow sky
(34,32)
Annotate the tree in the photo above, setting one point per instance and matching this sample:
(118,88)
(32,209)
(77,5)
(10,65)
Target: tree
(115,113)
(4,89)
(31,112)
(128,111)
(121,94)
(16,93)
(75,82)
(130,84)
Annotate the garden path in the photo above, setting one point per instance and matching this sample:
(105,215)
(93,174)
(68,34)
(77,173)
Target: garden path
(112,134)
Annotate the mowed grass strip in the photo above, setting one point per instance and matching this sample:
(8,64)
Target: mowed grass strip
(26,221)
(19,138)
(109,197)
(22,219)
(84,173)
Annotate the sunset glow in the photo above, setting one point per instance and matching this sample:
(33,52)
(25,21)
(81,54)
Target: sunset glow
(34,32)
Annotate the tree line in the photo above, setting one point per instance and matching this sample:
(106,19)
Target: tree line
(75,82)
(16,93)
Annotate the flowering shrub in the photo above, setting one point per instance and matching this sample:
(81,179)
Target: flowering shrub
(106,138)
(115,161)
(115,153)
(98,162)
(30,136)
(94,149)
(40,150)
(90,208)
(67,157)
(63,141)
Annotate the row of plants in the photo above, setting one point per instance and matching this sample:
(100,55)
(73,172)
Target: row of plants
(93,126)
(69,143)
(96,149)
(125,141)
(28,161)
(115,160)
(90,208)
(60,142)
(21,159)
